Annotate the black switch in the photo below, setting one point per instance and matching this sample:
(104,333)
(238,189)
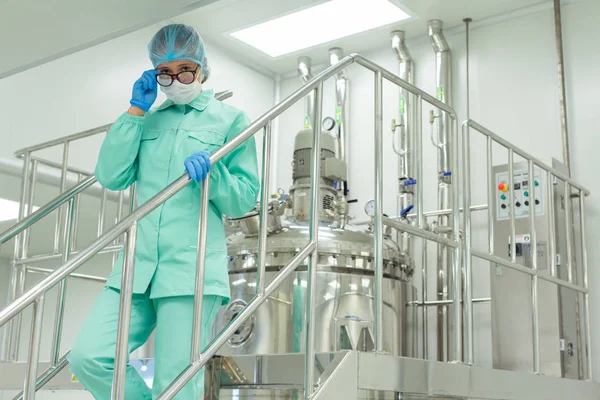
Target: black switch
(518,204)
(503,206)
(537,201)
(526,202)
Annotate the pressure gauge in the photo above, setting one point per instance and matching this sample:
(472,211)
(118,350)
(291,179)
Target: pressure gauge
(328,124)
(370,208)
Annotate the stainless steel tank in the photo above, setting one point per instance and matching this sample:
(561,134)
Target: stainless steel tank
(345,308)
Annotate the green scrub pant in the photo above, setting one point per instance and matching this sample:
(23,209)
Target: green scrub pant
(93,355)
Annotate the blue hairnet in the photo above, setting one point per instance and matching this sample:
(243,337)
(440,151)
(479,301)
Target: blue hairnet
(178,42)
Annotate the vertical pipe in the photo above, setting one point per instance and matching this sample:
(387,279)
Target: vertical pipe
(418,118)
(378,236)
(586,301)
(275,139)
(457,273)
(551,224)
(264,212)
(63,187)
(122,345)
(132,197)
(35,339)
(305,74)
(562,97)
(12,330)
(117,219)
(534,278)
(32,182)
(311,290)
(490,194)
(467,243)
(341,111)
(444,94)
(101,215)
(200,269)
(511,203)
(62,286)
(569,236)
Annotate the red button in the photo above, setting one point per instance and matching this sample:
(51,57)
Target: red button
(502,187)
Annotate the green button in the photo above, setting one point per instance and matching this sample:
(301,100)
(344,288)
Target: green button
(503,197)
(526,194)
(536,183)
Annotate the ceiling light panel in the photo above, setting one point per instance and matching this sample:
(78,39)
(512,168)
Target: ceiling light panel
(332,20)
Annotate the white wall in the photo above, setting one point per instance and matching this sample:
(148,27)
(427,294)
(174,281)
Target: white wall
(513,92)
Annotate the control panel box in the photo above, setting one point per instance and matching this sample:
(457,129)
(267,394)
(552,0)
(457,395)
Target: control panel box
(527,193)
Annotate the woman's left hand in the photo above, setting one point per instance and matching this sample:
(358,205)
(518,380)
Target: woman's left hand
(198,165)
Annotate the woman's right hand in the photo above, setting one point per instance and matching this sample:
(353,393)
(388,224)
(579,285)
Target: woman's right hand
(144,91)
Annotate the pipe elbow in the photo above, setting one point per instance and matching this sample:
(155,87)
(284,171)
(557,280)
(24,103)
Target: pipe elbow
(399,46)
(438,41)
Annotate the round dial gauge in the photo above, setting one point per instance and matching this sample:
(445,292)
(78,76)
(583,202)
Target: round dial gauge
(328,124)
(370,208)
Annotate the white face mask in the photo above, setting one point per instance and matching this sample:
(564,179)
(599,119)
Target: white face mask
(180,93)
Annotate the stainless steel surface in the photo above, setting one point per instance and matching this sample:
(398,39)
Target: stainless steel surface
(62,286)
(534,278)
(337,379)
(586,303)
(313,235)
(443,87)
(378,233)
(126,293)
(562,97)
(420,232)
(568,231)
(63,187)
(552,225)
(511,205)
(264,212)
(47,375)
(468,273)
(35,339)
(342,95)
(200,269)
(52,257)
(47,271)
(305,75)
(490,191)
(102,213)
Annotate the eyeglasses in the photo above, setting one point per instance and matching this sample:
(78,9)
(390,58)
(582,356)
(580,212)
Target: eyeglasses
(185,77)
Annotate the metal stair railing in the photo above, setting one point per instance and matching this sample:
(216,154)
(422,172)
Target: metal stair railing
(67,233)
(198,358)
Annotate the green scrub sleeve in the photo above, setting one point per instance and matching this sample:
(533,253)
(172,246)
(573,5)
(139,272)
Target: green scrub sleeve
(116,168)
(234,179)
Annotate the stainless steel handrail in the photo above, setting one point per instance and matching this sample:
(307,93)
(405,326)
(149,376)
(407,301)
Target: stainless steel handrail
(128,225)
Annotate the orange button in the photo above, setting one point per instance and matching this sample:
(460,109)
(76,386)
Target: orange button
(503,187)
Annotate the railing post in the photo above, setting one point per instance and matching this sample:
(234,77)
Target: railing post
(101,214)
(62,286)
(568,232)
(511,203)
(12,330)
(311,290)
(264,211)
(552,225)
(200,268)
(63,186)
(456,252)
(378,232)
(122,346)
(35,339)
(586,296)
(534,277)
(468,302)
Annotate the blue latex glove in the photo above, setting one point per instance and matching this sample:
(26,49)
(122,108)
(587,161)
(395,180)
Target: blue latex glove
(198,165)
(144,90)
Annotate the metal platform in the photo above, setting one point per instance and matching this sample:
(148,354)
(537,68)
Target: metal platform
(355,375)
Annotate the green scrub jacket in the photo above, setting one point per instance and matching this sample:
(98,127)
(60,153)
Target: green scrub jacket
(150,151)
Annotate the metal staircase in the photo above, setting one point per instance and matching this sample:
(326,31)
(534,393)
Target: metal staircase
(337,375)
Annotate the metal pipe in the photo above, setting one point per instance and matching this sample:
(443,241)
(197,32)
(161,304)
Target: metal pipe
(43,211)
(511,203)
(342,108)
(101,215)
(12,332)
(311,290)
(264,212)
(562,97)
(443,93)
(191,371)
(121,352)
(305,74)
(56,165)
(76,217)
(378,232)
(52,257)
(534,278)
(586,301)
(62,287)
(35,339)
(418,117)
(457,290)
(568,233)
(46,271)
(552,224)
(47,375)
(449,302)
(420,232)
(468,301)
(490,193)
(406,117)
(528,271)
(132,197)
(32,182)
(200,269)
(63,187)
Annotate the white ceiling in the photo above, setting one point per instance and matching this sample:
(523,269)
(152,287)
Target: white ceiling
(215,21)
